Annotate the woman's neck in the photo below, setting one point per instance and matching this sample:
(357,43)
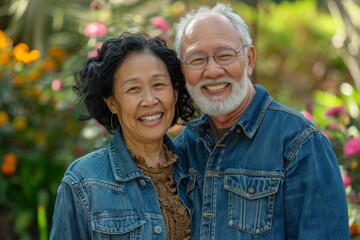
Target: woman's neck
(152,152)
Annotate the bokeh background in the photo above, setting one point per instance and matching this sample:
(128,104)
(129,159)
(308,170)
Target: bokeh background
(308,57)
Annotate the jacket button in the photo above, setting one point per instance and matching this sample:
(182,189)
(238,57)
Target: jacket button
(251,190)
(142,182)
(158,229)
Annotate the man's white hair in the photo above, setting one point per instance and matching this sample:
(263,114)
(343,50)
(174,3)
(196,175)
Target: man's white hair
(221,8)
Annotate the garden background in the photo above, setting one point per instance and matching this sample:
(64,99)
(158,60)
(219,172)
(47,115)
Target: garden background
(308,58)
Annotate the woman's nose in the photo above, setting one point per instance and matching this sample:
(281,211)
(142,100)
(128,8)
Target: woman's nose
(149,97)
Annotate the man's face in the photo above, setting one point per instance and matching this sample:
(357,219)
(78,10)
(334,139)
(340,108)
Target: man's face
(216,89)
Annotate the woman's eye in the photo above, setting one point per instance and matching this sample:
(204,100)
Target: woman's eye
(160,84)
(133,89)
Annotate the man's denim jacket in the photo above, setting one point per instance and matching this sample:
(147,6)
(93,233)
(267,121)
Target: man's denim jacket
(272,176)
(103,195)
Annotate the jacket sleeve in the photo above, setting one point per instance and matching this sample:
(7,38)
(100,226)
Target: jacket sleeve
(69,219)
(315,204)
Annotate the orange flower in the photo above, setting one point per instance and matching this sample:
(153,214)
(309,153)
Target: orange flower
(8,166)
(5,42)
(57,53)
(35,75)
(8,169)
(49,65)
(36,92)
(10,158)
(4,118)
(19,80)
(5,57)
(22,53)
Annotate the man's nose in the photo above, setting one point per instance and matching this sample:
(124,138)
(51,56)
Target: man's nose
(213,70)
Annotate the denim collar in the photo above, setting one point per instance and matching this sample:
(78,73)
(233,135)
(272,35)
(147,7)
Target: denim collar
(249,120)
(123,167)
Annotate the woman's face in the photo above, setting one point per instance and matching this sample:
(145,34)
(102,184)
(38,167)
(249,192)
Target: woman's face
(144,99)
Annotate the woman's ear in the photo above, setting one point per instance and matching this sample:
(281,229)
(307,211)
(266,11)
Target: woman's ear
(176,95)
(110,103)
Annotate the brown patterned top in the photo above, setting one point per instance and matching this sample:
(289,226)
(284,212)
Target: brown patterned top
(176,217)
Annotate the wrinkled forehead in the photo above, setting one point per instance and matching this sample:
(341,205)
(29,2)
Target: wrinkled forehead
(209,29)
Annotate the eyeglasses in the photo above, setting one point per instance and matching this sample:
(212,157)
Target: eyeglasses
(222,57)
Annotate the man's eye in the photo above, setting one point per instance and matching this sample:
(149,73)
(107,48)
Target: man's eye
(224,57)
(197,60)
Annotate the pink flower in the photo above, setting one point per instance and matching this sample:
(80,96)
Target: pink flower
(347,180)
(335,111)
(160,23)
(95,4)
(95,29)
(94,52)
(56,85)
(307,115)
(352,147)
(333,127)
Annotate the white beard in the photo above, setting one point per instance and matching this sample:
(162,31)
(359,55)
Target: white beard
(219,105)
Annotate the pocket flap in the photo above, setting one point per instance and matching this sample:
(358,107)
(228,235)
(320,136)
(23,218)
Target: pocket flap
(117,224)
(251,187)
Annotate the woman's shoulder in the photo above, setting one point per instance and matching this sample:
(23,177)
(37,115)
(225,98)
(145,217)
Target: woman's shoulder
(89,165)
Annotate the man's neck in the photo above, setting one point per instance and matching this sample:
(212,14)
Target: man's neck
(227,120)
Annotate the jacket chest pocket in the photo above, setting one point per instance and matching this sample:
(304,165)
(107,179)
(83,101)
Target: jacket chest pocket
(118,228)
(251,202)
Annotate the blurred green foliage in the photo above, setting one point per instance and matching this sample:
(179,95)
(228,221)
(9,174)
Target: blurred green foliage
(39,135)
(338,116)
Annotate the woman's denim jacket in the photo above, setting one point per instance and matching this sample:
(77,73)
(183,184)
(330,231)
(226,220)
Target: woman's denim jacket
(272,176)
(103,195)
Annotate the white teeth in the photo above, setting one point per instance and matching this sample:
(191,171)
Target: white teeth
(216,87)
(151,118)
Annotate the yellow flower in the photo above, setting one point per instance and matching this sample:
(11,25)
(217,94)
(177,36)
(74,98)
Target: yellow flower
(35,75)
(41,139)
(4,118)
(354,164)
(22,53)
(5,42)
(20,123)
(19,80)
(36,92)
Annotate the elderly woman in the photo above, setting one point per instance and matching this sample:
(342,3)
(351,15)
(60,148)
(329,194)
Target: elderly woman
(126,190)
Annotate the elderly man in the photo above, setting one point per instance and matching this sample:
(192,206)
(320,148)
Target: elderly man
(251,167)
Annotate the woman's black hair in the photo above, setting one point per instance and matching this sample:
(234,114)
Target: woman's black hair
(96,80)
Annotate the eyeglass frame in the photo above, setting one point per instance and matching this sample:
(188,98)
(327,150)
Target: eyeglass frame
(214,57)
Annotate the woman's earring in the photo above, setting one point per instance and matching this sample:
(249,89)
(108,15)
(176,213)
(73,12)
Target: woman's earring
(111,121)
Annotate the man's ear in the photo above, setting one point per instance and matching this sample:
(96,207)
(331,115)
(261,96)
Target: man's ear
(110,103)
(251,57)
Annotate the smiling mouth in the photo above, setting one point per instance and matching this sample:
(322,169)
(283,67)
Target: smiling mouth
(217,87)
(151,118)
